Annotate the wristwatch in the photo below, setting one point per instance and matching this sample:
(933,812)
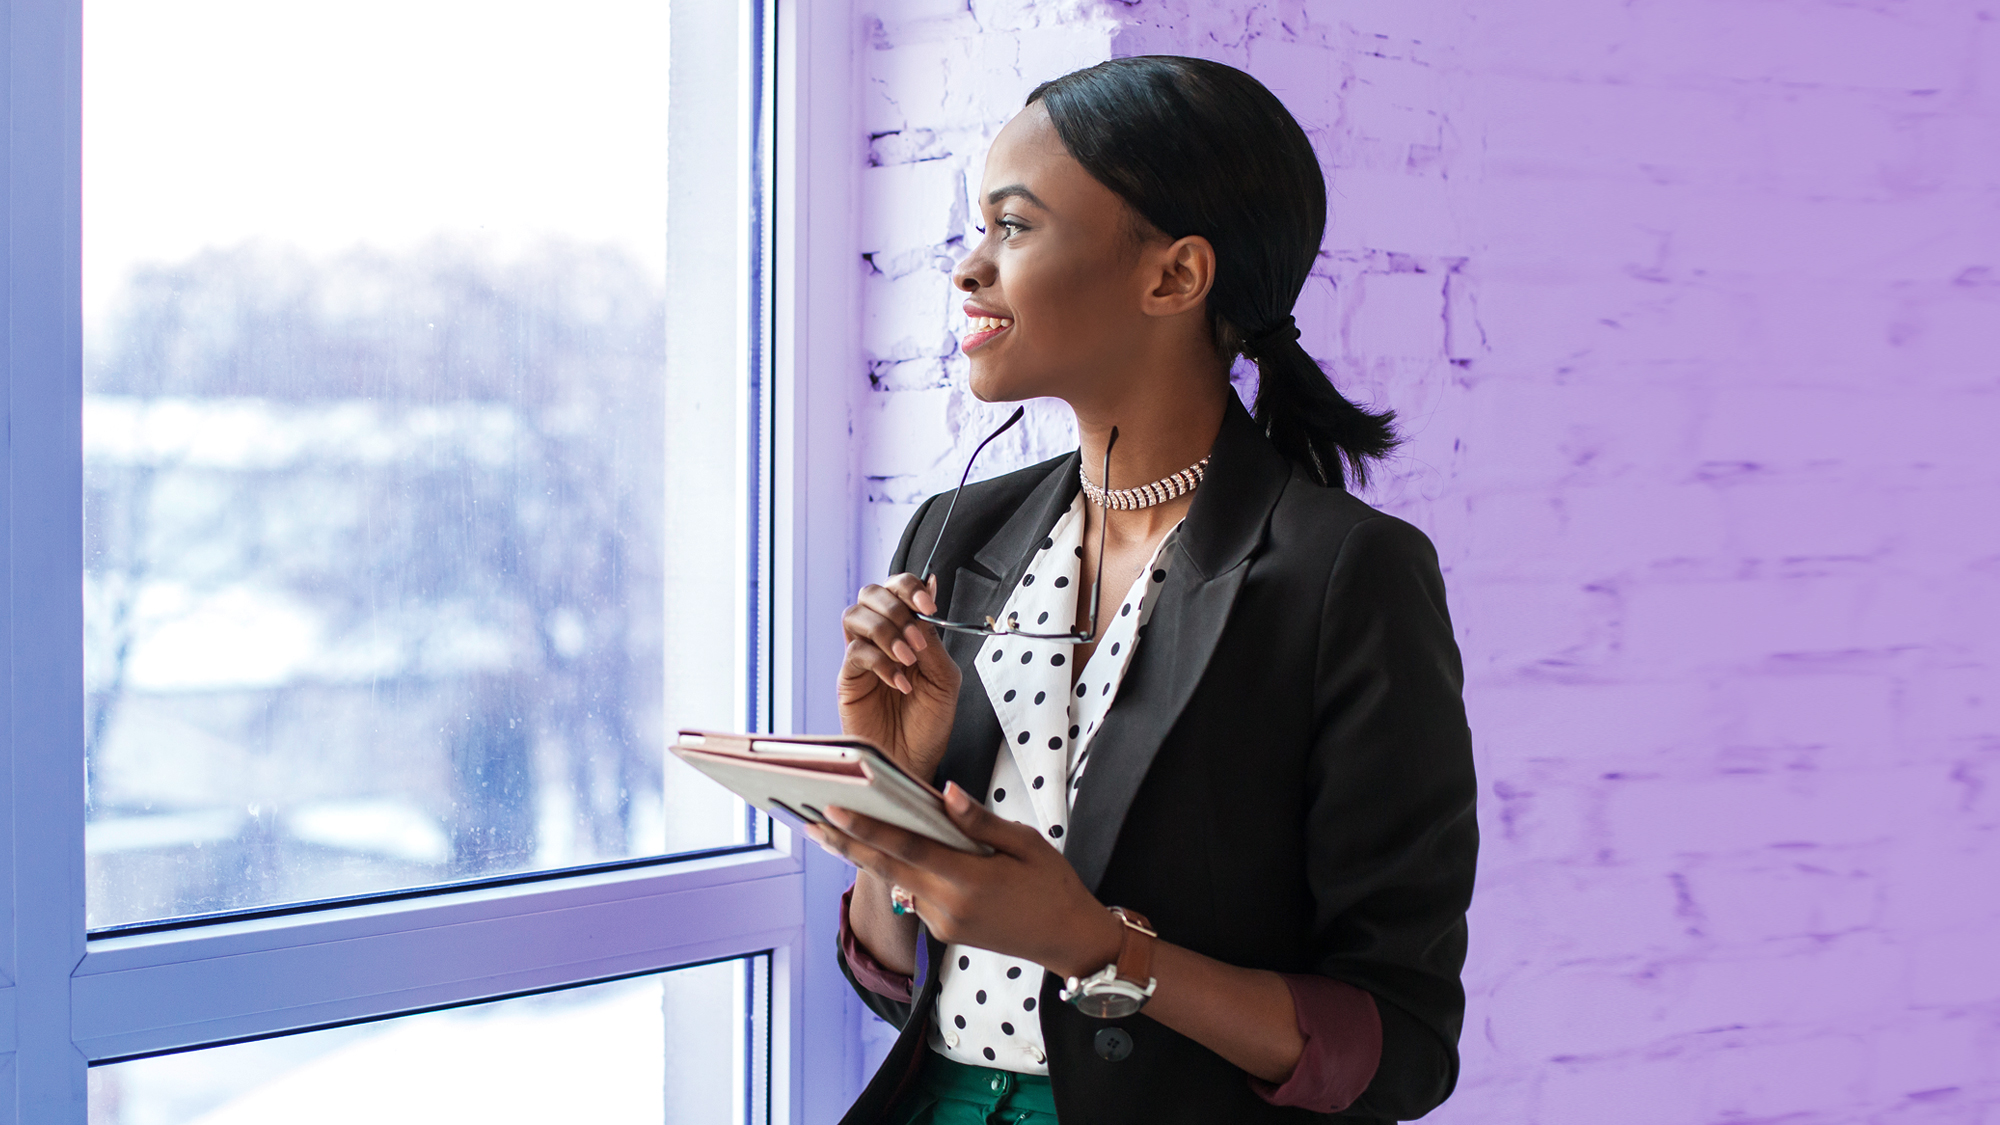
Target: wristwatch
(1122,987)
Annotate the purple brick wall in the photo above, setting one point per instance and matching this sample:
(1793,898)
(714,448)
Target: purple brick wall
(1692,313)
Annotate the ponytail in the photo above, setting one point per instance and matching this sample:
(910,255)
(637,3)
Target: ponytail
(1309,421)
(1200,148)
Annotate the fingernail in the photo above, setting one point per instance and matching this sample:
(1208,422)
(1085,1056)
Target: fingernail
(902,652)
(917,640)
(902,683)
(839,816)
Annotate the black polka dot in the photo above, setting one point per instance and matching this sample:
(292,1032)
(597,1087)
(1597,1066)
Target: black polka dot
(960,1021)
(1107,688)
(1028,580)
(980,996)
(1159,576)
(1028,656)
(1115,646)
(1038,785)
(1006,1029)
(1056,660)
(1043,619)
(1023,739)
(1039,696)
(1056,831)
(964,962)
(1072,731)
(1029,1003)
(1127,608)
(988,1051)
(1061,581)
(1047,543)
(997,654)
(1014,973)
(1079,552)
(999,794)
(1009,697)
(1055,743)
(1080,689)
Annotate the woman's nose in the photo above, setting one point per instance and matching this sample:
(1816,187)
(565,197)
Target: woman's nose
(973,273)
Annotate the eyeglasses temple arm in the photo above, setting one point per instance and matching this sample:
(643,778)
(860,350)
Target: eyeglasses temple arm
(1103,522)
(1019,411)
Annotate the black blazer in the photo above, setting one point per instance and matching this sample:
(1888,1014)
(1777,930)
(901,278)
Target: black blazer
(1284,781)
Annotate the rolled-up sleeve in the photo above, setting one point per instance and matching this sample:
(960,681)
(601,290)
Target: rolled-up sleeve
(1343,1035)
(862,966)
(1391,835)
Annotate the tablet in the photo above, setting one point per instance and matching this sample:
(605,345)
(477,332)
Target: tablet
(802,774)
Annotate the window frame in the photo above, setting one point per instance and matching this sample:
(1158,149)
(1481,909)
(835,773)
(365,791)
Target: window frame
(68,1000)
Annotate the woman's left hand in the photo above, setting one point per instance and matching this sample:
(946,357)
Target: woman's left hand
(1024,900)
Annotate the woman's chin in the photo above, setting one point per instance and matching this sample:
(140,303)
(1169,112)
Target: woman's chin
(988,385)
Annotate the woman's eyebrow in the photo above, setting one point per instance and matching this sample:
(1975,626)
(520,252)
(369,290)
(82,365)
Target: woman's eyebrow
(1014,191)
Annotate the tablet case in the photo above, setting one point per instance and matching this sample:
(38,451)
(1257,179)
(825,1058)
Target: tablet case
(802,775)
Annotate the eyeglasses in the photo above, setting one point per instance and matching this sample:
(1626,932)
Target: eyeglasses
(1011,627)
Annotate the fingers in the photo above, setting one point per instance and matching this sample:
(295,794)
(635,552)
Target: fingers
(863,659)
(896,843)
(881,627)
(884,635)
(876,862)
(898,601)
(982,824)
(918,595)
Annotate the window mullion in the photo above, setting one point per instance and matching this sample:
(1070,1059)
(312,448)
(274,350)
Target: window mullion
(230,981)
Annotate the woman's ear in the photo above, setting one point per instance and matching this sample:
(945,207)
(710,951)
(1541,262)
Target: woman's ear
(1180,274)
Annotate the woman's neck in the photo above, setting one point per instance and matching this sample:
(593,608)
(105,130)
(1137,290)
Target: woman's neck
(1160,432)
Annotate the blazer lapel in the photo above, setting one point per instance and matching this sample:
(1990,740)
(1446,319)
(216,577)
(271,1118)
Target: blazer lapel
(1224,525)
(979,591)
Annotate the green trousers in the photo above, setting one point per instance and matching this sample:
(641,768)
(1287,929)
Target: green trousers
(952,1093)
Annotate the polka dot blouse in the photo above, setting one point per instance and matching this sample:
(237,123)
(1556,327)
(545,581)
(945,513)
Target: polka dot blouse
(985,1014)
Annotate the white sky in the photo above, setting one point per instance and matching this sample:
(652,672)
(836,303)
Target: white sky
(328,124)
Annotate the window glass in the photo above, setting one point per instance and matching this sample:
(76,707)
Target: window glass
(684,1046)
(407,545)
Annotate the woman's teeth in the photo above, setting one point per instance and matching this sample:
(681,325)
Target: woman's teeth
(989,323)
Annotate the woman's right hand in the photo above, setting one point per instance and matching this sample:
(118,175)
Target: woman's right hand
(898,687)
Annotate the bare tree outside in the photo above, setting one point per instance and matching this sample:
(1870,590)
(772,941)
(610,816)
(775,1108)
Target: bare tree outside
(374,572)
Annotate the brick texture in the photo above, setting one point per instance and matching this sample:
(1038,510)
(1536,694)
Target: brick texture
(1691,312)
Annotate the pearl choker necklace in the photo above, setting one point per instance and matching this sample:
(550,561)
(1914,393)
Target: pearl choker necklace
(1146,495)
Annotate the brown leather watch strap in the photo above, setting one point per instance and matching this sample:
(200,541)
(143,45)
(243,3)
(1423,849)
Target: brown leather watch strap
(1135,950)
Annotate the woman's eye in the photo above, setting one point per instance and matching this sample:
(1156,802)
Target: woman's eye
(1011,228)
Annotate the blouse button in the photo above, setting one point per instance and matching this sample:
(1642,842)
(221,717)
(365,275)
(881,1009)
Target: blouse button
(951,1039)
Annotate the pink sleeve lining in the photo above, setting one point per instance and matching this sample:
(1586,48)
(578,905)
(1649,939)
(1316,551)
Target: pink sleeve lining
(1343,1034)
(867,971)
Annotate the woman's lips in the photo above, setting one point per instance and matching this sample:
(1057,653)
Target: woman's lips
(984,328)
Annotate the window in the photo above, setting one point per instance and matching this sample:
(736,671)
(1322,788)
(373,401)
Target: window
(682,1046)
(377,455)
(409,391)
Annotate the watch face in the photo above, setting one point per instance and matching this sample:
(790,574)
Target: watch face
(1110,1002)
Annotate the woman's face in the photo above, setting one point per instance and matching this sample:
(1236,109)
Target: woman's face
(1055,288)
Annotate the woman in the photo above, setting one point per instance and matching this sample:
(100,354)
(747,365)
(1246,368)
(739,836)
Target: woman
(1254,747)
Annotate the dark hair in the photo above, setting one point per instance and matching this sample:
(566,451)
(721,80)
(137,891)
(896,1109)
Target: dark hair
(1200,148)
